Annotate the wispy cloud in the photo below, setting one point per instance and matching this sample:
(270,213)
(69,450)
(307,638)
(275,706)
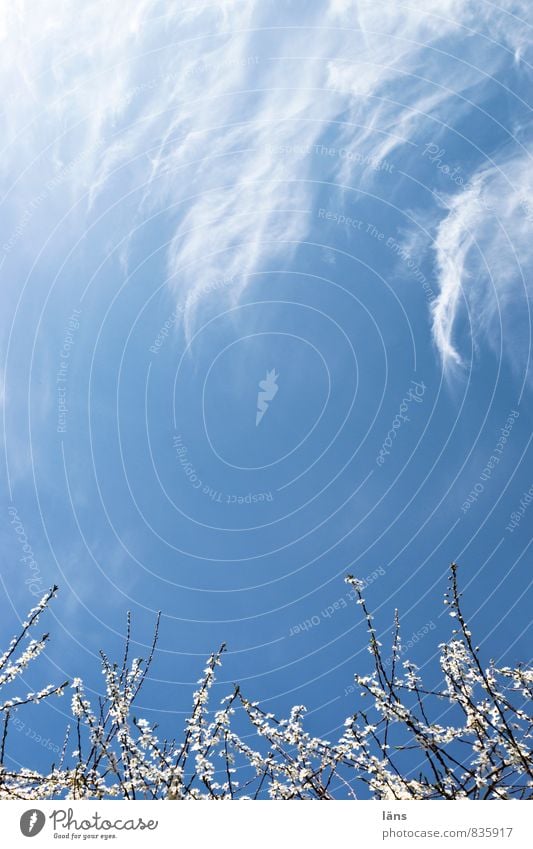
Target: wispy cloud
(200,110)
(484,256)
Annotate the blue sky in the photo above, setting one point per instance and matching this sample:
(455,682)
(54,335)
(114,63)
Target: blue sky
(335,193)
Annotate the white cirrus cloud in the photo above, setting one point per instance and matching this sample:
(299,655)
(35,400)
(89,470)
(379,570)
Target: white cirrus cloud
(484,258)
(203,111)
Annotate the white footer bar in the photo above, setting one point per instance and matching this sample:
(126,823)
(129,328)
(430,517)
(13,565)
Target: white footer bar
(264,824)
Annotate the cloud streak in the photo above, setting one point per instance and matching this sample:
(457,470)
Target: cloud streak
(190,106)
(484,256)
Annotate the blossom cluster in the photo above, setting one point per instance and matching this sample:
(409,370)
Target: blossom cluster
(392,750)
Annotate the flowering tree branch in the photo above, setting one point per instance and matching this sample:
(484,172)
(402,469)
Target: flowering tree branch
(392,750)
